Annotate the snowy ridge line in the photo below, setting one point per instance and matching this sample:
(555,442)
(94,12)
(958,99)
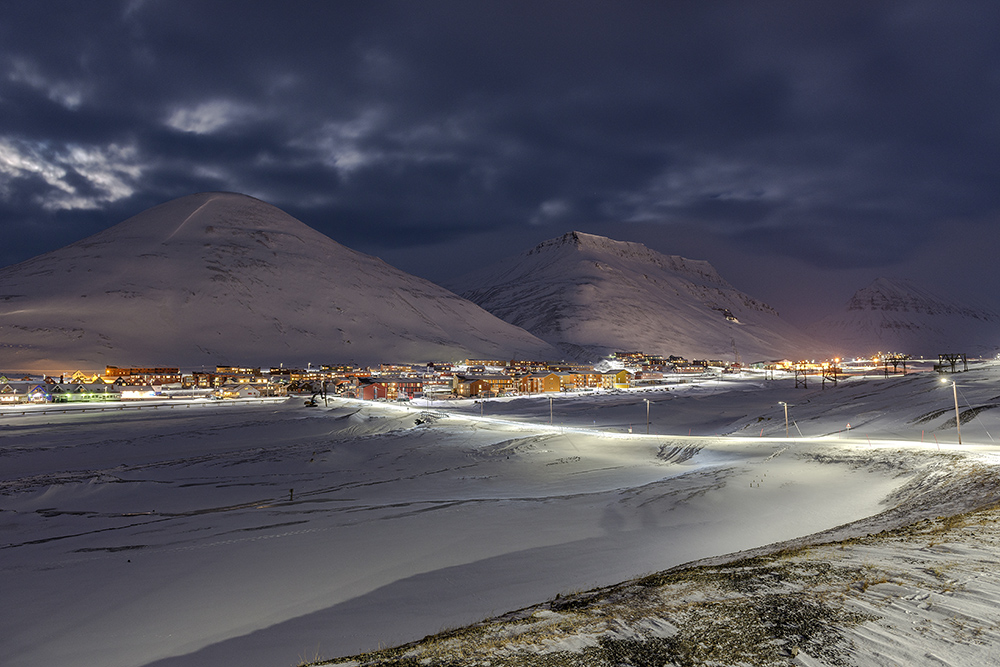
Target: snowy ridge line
(554,428)
(831,436)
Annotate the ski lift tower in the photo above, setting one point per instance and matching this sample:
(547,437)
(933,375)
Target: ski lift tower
(895,360)
(802,372)
(952,360)
(831,372)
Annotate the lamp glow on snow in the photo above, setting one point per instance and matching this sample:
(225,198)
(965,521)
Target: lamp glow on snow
(958,421)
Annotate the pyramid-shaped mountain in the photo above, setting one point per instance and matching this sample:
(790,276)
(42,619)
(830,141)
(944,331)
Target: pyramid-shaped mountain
(590,295)
(221,278)
(899,316)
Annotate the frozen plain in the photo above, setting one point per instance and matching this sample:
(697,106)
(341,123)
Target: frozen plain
(270,535)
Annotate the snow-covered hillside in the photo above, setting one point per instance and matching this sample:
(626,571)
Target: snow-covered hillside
(225,278)
(899,316)
(589,295)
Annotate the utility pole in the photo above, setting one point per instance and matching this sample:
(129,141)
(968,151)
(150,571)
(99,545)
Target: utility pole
(958,421)
(786,416)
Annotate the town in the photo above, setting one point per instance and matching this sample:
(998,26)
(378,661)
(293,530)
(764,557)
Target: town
(470,378)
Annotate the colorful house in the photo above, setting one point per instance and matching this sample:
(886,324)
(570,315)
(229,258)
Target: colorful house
(20,391)
(617,379)
(479,385)
(539,383)
(239,390)
(471,387)
(76,392)
(389,388)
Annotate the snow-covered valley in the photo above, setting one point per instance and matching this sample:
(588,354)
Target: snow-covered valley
(277,534)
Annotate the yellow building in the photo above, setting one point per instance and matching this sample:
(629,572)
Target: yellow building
(619,379)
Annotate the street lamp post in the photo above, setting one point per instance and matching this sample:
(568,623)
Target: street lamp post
(786,416)
(550,411)
(958,421)
(647,415)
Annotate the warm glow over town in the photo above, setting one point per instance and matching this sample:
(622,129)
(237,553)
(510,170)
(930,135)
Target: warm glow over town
(470,378)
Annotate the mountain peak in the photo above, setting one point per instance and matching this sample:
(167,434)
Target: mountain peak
(209,217)
(589,294)
(222,277)
(579,241)
(893,294)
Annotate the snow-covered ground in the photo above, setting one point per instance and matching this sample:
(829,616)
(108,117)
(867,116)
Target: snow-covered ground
(273,534)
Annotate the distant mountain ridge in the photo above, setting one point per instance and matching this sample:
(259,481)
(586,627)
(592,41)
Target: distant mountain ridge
(590,295)
(893,315)
(225,278)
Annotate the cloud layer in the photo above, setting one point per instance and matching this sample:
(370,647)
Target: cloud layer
(821,131)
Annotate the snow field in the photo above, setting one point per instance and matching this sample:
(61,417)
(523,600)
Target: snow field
(269,535)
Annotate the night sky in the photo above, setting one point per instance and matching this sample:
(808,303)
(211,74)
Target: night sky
(804,148)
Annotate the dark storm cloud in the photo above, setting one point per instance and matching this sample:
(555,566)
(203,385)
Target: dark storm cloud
(794,128)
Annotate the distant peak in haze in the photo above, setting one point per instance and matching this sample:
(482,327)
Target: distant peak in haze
(901,295)
(899,315)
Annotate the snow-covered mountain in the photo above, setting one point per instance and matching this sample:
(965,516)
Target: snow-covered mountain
(590,295)
(899,316)
(224,278)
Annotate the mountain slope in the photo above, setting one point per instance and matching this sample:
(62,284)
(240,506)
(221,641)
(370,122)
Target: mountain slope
(590,295)
(899,316)
(225,278)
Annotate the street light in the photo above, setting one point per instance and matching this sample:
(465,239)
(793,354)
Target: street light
(958,421)
(550,411)
(647,415)
(786,416)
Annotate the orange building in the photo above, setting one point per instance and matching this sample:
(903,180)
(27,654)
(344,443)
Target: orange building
(538,383)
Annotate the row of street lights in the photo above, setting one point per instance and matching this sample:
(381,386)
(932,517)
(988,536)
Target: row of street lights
(783,404)
(954,389)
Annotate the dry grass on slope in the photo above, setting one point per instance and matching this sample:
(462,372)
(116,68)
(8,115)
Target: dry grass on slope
(906,595)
